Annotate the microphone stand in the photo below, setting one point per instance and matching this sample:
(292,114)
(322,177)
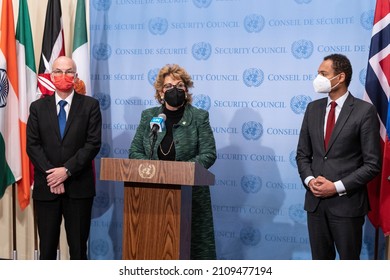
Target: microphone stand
(153,134)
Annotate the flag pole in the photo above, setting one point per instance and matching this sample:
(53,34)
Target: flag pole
(14,252)
(58,251)
(376,244)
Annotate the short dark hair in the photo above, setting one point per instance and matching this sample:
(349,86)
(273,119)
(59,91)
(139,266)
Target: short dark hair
(341,64)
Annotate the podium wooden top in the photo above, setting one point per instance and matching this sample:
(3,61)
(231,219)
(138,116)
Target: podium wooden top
(155,171)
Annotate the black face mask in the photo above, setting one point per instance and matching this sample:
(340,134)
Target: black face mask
(175,97)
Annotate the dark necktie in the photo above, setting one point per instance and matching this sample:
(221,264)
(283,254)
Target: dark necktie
(62,117)
(330,123)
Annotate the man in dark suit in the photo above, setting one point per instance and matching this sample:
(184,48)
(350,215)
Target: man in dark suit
(336,165)
(62,149)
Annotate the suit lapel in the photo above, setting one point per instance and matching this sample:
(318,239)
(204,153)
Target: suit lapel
(75,107)
(342,119)
(321,122)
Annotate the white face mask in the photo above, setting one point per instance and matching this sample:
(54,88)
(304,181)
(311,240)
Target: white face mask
(322,84)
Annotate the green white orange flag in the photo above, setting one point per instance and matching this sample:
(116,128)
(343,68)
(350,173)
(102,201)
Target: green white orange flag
(27,93)
(80,46)
(10,156)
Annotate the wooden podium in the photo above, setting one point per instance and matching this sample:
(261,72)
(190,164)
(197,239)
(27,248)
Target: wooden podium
(157,205)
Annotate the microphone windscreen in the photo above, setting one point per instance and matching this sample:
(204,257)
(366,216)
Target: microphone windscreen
(163,116)
(157,124)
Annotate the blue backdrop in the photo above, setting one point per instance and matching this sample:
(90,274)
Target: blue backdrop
(253,63)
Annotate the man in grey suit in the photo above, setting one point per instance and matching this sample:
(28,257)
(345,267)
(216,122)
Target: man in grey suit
(63,138)
(336,165)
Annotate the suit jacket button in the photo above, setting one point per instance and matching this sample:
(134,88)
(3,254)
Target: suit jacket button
(325,158)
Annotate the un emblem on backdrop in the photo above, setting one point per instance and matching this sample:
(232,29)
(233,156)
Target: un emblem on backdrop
(254,23)
(252,130)
(104,100)
(201,51)
(101,200)
(297,214)
(99,247)
(251,183)
(101,5)
(101,51)
(253,77)
(362,76)
(302,49)
(292,159)
(367,19)
(250,236)
(104,150)
(299,103)
(158,26)
(201,3)
(4,88)
(202,101)
(152,75)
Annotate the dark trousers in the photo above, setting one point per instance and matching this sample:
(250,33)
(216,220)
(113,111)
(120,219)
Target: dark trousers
(77,219)
(328,232)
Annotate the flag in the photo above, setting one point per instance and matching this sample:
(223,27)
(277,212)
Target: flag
(27,93)
(10,159)
(377,92)
(80,46)
(53,46)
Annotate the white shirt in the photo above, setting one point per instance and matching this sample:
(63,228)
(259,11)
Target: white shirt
(67,106)
(340,103)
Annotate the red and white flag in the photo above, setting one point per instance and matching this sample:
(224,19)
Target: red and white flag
(53,46)
(378,92)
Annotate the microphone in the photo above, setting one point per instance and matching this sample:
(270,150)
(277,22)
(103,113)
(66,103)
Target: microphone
(157,124)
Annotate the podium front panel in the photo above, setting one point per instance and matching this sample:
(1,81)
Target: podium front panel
(156,222)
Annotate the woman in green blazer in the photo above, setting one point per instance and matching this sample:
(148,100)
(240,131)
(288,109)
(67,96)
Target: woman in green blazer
(188,137)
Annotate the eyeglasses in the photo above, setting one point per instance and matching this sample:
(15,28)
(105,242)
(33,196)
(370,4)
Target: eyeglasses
(59,72)
(179,85)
